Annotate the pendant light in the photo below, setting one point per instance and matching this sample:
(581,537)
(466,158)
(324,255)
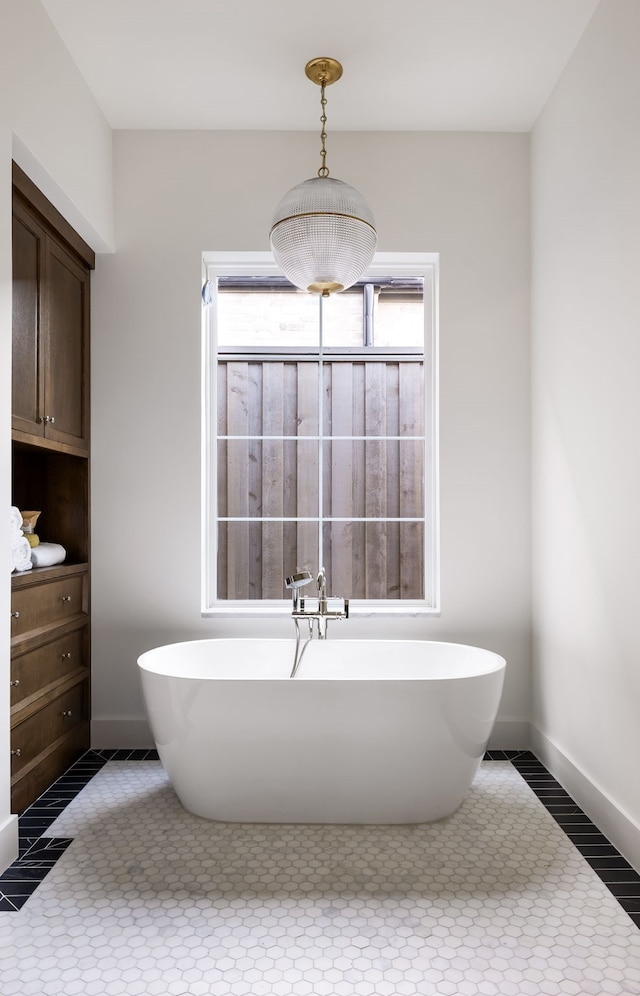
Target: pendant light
(323,234)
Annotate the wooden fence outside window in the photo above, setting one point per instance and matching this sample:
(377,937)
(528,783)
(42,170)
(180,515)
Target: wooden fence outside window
(321,458)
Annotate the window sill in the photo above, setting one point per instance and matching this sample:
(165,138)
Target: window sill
(282,610)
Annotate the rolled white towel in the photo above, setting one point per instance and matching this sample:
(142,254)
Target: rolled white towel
(15,523)
(15,539)
(21,556)
(47,554)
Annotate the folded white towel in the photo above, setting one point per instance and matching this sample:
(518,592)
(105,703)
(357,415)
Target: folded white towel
(47,554)
(21,555)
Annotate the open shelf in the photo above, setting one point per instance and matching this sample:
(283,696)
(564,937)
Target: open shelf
(56,484)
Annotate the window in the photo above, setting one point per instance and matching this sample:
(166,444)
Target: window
(320,436)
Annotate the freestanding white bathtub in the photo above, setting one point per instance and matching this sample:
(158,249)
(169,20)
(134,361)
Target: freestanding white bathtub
(367,731)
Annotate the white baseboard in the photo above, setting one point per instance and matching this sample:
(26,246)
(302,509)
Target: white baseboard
(116,733)
(8,842)
(621,830)
(510,734)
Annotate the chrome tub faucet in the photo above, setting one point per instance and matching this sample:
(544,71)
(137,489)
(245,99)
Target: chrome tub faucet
(318,614)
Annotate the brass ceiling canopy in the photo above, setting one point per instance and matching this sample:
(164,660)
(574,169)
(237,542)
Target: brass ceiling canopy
(323,71)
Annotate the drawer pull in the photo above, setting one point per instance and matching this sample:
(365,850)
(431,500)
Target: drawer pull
(14,684)
(66,657)
(16,753)
(15,615)
(66,598)
(67,712)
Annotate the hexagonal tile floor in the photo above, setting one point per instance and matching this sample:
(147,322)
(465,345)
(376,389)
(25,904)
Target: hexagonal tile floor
(148,899)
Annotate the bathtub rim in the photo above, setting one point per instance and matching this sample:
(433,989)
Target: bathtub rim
(495,662)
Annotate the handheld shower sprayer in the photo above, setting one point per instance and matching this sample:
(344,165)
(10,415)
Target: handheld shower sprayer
(295,582)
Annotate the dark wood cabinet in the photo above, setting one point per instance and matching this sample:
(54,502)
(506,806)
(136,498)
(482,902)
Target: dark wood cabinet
(49,676)
(50,607)
(51,315)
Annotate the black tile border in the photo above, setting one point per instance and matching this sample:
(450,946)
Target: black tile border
(615,871)
(39,853)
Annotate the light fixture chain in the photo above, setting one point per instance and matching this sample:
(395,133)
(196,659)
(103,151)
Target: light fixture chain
(324,169)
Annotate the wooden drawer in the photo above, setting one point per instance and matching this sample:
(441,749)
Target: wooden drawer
(43,728)
(33,780)
(35,671)
(48,603)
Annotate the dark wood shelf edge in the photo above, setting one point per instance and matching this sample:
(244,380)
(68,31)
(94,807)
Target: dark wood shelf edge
(26,440)
(23,579)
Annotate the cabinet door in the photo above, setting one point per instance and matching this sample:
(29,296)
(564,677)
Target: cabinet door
(67,347)
(27,368)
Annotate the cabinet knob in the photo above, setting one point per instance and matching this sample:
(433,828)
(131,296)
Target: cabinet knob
(47,418)
(16,753)
(66,657)
(66,598)
(67,712)
(15,615)
(14,684)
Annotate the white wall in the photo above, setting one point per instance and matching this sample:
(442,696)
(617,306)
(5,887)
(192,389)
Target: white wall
(586,418)
(52,127)
(177,194)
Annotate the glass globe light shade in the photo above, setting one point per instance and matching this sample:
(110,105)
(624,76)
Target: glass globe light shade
(323,235)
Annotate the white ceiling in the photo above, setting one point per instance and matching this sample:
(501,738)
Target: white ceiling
(469,65)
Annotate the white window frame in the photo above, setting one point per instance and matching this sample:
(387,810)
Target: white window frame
(217,264)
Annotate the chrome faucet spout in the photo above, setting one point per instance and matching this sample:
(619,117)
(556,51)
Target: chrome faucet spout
(321,581)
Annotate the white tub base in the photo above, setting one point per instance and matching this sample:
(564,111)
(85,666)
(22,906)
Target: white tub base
(366,733)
